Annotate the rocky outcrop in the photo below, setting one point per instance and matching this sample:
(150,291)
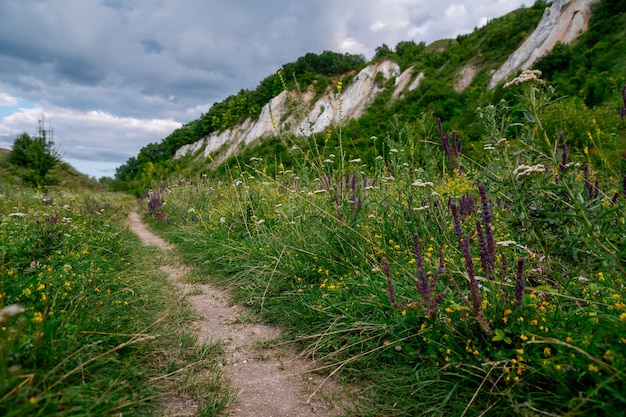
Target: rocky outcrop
(308,117)
(562,22)
(406,82)
(300,115)
(464,77)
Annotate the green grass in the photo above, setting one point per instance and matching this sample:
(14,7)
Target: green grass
(511,303)
(98,329)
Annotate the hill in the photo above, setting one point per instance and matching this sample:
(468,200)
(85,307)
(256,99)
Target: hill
(62,176)
(448,79)
(446,248)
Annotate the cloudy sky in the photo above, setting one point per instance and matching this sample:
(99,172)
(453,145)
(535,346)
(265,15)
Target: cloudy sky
(114,75)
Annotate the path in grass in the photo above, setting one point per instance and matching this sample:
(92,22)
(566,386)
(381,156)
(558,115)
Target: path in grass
(267,380)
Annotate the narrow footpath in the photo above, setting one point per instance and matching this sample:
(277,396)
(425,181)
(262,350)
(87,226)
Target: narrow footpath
(269,381)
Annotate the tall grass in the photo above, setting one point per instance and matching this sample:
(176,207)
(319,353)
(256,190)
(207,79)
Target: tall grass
(439,285)
(89,325)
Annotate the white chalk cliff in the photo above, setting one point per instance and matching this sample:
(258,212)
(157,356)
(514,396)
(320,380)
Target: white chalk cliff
(563,21)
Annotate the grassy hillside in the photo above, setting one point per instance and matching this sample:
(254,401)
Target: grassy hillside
(448,253)
(589,73)
(435,283)
(89,324)
(62,176)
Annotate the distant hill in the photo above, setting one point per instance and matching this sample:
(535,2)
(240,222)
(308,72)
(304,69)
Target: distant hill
(585,55)
(65,176)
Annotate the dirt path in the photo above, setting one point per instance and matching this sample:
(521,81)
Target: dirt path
(268,381)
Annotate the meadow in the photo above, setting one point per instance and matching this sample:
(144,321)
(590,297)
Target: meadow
(433,280)
(88,324)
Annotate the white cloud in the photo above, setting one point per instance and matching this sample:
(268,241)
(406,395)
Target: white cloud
(101,137)
(7,100)
(377,26)
(114,75)
(455,11)
(352,46)
(482,21)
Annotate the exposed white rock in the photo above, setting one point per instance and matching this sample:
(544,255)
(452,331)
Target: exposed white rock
(416,82)
(562,22)
(331,108)
(297,114)
(465,77)
(191,148)
(364,89)
(402,82)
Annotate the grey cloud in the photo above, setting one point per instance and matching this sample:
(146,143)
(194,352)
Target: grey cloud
(166,59)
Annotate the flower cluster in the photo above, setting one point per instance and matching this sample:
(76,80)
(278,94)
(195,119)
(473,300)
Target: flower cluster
(528,76)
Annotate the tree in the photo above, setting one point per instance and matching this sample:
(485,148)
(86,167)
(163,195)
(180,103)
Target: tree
(37,154)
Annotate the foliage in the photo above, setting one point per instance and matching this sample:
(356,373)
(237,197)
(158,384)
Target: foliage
(439,284)
(87,322)
(590,69)
(37,155)
(311,69)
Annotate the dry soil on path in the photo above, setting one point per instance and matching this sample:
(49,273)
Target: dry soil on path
(269,381)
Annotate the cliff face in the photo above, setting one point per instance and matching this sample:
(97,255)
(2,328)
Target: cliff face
(302,116)
(562,22)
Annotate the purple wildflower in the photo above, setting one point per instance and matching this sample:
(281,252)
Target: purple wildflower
(490,252)
(457,220)
(451,146)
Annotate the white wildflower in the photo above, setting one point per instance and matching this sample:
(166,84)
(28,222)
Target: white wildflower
(254,158)
(191,210)
(17,215)
(328,161)
(319,191)
(67,207)
(260,221)
(9,311)
(572,164)
(379,158)
(506,243)
(422,208)
(524,170)
(527,76)
(222,220)
(420,183)
(393,150)
(355,161)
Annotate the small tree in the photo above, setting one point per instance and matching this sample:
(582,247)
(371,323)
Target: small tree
(37,154)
